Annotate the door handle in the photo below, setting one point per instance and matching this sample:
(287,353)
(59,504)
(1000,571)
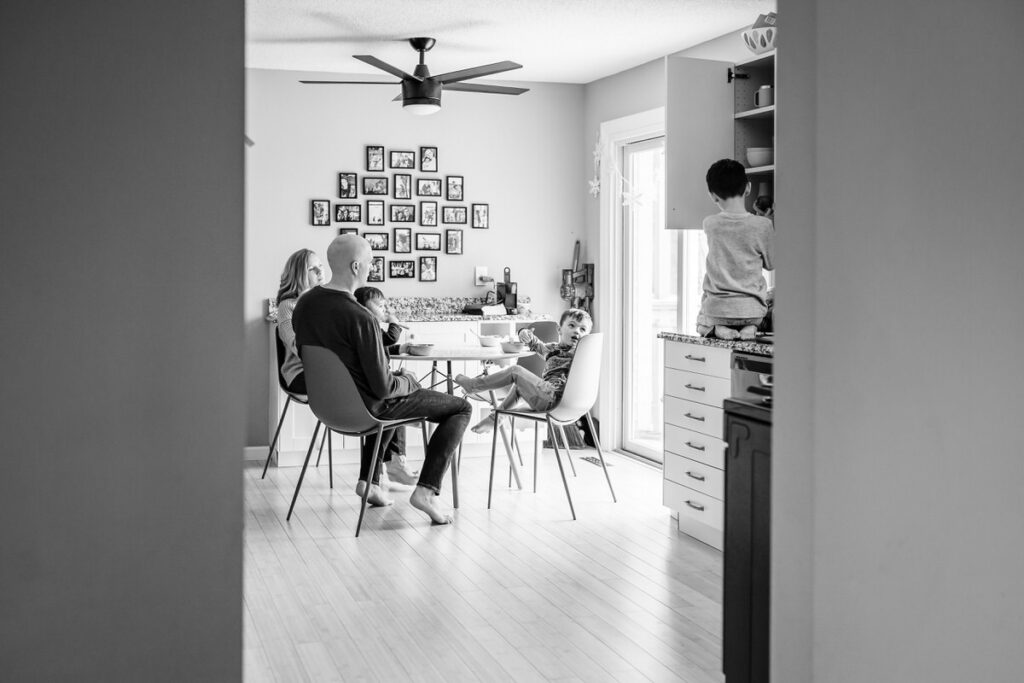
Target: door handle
(697,359)
(694,387)
(695,447)
(695,506)
(698,477)
(694,417)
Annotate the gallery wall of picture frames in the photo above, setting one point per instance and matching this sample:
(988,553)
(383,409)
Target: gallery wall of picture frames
(426,212)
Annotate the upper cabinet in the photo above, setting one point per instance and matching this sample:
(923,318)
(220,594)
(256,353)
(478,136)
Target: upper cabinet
(754,118)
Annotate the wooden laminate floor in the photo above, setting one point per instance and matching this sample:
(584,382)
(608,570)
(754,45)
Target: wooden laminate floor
(519,592)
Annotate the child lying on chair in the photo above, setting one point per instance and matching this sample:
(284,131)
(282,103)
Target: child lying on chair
(539,393)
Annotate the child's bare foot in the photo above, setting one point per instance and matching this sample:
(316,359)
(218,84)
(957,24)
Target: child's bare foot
(749,332)
(426,500)
(484,426)
(467,383)
(376,497)
(727,333)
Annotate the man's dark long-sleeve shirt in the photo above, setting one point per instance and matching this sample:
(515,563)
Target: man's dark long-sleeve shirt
(335,320)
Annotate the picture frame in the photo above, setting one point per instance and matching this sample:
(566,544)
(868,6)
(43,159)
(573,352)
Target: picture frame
(375,158)
(347,187)
(400,159)
(403,240)
(453,241)
(376,270)
(428,269)
(401,269)
(428,214)
(348,213)
(320,212)
(348,231)
(454,188)
(379,241)
(375,212)
(403,186)
(482,216)
(454,215)
(375,185)
(403,213)
(428,241)
(428,159)
(428,187)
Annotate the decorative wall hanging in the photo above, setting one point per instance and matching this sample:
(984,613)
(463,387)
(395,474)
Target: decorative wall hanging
(402,269)
(428,268)
(374,212)
(403,186)
(347,186)
(403,159)
(428,159)
(453,241)
(455,186)
(428,214)
(403,213)
(378,240)
(403,240)
(481,216)
(376,270)
(348,213)
(453,214)
(320,211)
(375,158)
(348,231)
(428,241)
(375,186)
(428,187)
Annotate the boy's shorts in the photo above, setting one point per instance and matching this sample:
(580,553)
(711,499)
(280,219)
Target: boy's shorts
(706,324)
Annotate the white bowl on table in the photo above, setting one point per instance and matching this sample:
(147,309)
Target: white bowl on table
(513,346)
(419,349)
(489,340)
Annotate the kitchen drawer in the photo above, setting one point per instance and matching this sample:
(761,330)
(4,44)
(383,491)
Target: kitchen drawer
(706,360)
(695,475)
(696,387)
(693,415)
(709,450)
(696,510)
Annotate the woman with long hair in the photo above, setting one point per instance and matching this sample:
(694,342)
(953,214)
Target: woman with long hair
(302,271)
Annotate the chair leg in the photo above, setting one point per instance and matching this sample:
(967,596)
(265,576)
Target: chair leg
(600,454)
(273,442)
(454,467)
(536,448)
(561,470)
(330,458)
(565,442)
(321,451)
(373,467)
(302,474)
(494,449)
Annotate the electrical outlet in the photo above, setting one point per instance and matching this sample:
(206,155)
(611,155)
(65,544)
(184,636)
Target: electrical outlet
(480,278)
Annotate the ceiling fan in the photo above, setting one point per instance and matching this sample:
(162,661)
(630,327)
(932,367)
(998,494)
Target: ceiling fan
(421,92)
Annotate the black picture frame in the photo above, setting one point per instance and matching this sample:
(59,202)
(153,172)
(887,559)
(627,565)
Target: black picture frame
(403,240)
(375,186)
(428,214)
(376,270)
(402,186)
(348,231)
(348,213)
(428,159)
(454,215)
(379,241)
(428,241)
(347,188)
(375,212)
(375,158)
(401,269)
(403,213)
(455,188)
(402,159)
(453,241)
(428,269)
(482,216)
(428,187)
(320,212)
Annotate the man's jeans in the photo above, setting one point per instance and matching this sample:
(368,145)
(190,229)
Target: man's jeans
(450,414)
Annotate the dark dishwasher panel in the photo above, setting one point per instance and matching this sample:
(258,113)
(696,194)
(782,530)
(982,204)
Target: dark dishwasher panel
(747,546)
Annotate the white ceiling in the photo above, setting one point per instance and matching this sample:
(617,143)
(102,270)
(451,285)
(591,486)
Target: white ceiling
(562,41)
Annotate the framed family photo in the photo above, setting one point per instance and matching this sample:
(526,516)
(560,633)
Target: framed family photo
(347,186)
(428,159)
(375,186)
(348,231)
(403,186)
(428,214)
(453,214)
(379,241)
(348,213)
(481,216)
(375,212)
(428,241)
(403,160)
(455,188)
(403,213)
(453,241)
(376,270)
(320,211)
(428,187)
(401,269)
(403,240)
(375,158)
(428,269)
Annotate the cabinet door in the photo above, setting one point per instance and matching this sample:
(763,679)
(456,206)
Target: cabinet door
(698,132)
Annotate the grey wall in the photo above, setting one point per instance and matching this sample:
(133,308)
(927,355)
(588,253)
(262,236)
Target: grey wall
(898,545)
(519,154)
(121,266)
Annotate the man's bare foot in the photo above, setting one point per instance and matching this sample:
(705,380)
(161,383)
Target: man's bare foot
(376,497)
(426,500)
(727,333)
(749,332)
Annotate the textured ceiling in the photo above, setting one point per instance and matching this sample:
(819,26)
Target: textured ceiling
(563,41)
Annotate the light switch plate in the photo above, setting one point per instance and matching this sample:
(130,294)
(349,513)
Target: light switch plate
(479,273)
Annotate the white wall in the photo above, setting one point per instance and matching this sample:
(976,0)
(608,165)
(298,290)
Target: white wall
(900,320)
(121,267)
(519,154)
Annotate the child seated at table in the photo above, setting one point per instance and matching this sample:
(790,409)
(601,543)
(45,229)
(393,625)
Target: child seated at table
(539,393)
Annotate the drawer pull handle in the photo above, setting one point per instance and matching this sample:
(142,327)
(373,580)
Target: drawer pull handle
(695,447)
(698,477)
(694,417)
(694,387)
(698,359)
(695,506)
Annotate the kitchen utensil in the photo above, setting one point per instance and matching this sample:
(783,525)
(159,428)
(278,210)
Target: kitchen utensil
(764,96)
(419,349)
(760,156)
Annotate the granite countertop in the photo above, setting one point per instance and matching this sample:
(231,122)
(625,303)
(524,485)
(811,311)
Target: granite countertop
(437,309)
(754,347)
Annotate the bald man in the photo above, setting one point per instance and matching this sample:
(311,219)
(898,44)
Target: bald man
(329,316)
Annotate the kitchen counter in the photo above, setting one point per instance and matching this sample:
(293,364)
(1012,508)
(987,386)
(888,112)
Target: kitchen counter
(754,347)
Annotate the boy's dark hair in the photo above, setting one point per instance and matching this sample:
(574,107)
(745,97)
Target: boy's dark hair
(364,294)
(727,178)
(577,314)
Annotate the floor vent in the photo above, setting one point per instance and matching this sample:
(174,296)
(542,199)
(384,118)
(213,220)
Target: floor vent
(594,461)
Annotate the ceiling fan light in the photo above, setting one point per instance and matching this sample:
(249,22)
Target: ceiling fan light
(422,109)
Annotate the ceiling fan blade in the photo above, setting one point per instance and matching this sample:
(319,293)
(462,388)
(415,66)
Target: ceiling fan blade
(496,89)
(477,71)
(384,66)
(354,82)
